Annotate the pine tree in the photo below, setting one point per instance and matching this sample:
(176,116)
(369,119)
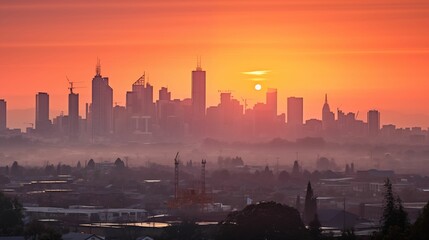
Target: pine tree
(394,217)
(310,207)
(314,228)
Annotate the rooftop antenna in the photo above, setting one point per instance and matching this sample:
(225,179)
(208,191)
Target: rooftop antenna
(98,68)
(199,64)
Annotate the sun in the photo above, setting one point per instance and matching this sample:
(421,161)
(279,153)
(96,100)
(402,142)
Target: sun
(258,87)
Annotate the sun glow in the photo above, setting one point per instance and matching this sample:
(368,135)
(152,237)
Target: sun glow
(258,87)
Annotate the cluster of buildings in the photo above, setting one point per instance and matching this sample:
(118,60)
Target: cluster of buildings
(143,117)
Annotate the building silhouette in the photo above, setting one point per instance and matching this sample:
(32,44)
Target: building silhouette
(3,115)
(271,101)
(328,117)
(102,104)
(373,123)
(198,98)
(73,117)
(43,124)
(140,106)
(164,94)
(295,111)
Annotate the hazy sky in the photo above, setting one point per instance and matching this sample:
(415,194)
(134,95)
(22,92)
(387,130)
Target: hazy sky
(364,53)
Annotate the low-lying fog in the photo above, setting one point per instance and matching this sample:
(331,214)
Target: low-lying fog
(276,153)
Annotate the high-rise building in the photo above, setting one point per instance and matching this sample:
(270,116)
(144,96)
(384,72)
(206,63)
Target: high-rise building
(140,106)
(295,111)
(164,94)
(198,93)
(43,123)
(3,113)
(271,101)
(73,116)
(328,117)
(102,104)
(373,123)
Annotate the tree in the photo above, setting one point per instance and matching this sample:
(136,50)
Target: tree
(15,170)
(420,229)
(36,230)
(394,220)
(314,228)
(119,164)
(10,216)
(266,220)
(91,164)
(310,207)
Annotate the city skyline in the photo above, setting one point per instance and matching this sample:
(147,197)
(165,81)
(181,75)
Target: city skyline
(364,55)
(162,92)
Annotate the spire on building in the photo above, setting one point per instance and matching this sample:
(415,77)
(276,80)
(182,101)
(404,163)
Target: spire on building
(326,98)
(199,64)
(98,68)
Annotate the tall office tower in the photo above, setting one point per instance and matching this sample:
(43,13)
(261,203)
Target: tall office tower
(73,114)
(164,94)
(140,106)
(198,93)
(43,123)
(295,111)
(328,117)
(102,104)
(140,99)
(271,100)
(3,113)
(373,123)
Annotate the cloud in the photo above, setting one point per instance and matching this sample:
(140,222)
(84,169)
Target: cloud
(257,72)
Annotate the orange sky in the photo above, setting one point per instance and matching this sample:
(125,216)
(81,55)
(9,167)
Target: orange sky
(364,53)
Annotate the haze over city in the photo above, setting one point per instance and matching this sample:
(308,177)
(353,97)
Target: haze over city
(216,120)
(364,54)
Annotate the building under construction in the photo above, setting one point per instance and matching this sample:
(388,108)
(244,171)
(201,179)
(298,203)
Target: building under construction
(189,198)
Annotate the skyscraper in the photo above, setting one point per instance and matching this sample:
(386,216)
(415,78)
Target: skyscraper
(43,123)
(3,113)
(271,100)
(140,106)
(328,117)
(73,114)
(373,123)
(198,93)
(102,104)
(295,111)
(164,94)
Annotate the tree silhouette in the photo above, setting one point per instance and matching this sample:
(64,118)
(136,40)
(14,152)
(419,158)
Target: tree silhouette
(36,230)
(15,169)
(394,221)
(119,164)
(91,164)
(310,207)
(10,216)
(266,220)
(420,229)
(315,228)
